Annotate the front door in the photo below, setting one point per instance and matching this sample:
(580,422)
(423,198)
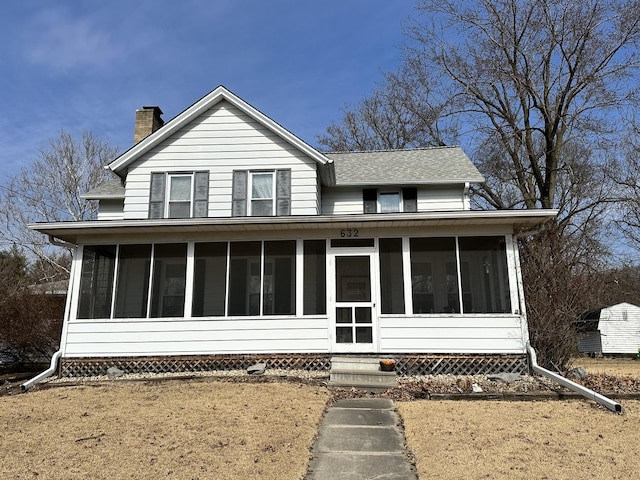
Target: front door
(354,305)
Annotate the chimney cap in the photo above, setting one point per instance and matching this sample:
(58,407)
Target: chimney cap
(152,107)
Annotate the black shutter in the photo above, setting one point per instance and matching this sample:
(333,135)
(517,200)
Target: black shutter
(410,199)
(239,195)
(201,195)
(370,200)
(156,195)
(283,192)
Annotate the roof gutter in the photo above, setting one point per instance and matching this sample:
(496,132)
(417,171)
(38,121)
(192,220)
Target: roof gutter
(60,243)
(565,382)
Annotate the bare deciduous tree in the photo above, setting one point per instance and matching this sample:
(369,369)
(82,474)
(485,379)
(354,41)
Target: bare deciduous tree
(534,76)
(49,190)
(626,176)
(30,320)
(539,86)
(408,110)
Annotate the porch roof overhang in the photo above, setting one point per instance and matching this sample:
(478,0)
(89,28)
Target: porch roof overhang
(73,232)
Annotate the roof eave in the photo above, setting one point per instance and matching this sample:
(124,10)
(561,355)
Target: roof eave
(71,231)
(456,181)
(102,197)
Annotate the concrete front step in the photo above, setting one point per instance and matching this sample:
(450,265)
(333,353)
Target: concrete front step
(360,372)
(356,363)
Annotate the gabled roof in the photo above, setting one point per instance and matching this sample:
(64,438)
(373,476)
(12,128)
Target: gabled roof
(111,189)
(120,164)
(442,165)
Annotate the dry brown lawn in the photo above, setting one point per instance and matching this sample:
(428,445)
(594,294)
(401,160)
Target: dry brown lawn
(183,429)
(213,429)
(522,440)
(619,367)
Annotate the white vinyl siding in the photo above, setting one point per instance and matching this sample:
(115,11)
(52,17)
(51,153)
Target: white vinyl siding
(348,200)
(220,141)
(111,209)
(450,334)
(196,336)
(619,327)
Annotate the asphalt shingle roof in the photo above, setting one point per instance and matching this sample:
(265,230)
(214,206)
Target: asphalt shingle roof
(415,166)
(108,189)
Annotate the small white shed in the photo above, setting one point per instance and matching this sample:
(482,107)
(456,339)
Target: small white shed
(610,330)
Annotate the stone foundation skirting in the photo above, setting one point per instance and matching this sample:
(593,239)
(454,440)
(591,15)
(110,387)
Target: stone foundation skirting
(406,364)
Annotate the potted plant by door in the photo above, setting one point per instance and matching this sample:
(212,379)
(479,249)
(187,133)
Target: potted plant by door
(387,364)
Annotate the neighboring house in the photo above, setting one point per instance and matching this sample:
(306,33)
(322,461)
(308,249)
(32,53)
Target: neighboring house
(228,238)
(610,330)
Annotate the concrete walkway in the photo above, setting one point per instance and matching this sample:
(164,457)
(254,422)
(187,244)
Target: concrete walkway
(360,438)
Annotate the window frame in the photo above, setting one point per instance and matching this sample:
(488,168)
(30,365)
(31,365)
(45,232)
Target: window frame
(242,192)
(390,192)
(250,199)
(374,205)
(168,201)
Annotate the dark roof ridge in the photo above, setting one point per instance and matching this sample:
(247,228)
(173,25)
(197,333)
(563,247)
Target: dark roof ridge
(391,150)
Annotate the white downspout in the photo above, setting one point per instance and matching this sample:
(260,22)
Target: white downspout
(533,359)
(47,373)
(565,382)
(56,356)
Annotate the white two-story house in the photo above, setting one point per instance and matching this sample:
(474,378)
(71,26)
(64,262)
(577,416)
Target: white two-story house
(227,239)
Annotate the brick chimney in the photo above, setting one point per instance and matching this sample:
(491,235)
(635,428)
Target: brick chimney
(148,120)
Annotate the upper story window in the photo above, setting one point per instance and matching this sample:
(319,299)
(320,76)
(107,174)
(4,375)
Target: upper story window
(262,197)
(179,194)
(261,193)
(390,201)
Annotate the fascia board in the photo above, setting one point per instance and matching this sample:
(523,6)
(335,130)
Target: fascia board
(531,217)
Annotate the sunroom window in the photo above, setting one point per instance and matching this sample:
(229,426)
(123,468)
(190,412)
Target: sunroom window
(132,286)
(485,279)
(96,282)
(169,280)
(434,280)
(210,279)
(262,279)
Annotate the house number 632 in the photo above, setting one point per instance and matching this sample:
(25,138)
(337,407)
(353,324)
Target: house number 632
(349,232)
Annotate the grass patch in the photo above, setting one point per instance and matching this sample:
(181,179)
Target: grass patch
(187,429)
(521,440)
(617,367)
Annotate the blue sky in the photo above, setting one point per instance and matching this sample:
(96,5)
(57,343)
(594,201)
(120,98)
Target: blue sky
(77,65)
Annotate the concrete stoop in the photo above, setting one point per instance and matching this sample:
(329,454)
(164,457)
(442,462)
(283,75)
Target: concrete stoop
(360,372)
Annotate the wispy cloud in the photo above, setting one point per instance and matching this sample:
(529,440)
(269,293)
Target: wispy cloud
(57,39)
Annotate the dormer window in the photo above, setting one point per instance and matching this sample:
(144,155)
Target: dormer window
(179,195)
(390,201)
